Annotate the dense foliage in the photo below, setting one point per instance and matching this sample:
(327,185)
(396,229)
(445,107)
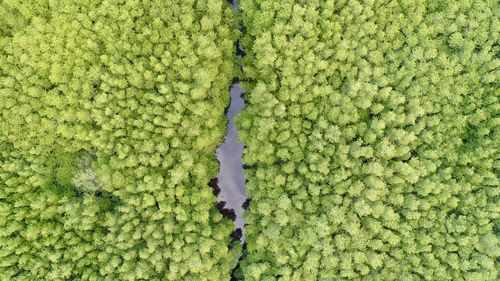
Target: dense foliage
(110,112)
(372,138)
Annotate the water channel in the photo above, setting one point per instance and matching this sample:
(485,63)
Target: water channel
(231,181)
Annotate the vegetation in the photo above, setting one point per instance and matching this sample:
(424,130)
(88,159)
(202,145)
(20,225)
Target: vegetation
(371,136)
(371,133)
(110,112)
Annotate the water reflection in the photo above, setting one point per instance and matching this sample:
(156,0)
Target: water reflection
(235,4)
(231,180)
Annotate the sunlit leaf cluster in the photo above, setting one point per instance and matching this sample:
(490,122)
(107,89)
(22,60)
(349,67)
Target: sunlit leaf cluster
(372,139)
(110,112)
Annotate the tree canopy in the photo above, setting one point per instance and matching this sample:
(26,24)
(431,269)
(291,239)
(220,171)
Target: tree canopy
(110,113)
(372,139)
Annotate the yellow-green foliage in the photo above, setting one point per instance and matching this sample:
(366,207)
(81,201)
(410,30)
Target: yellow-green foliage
(141,86)
(372,139)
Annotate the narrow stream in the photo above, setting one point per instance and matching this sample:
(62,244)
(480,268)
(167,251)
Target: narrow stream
(231,180)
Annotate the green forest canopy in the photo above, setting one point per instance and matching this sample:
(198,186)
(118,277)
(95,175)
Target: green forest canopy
(371,133)
(110,115)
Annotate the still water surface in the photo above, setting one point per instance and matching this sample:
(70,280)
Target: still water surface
(229,153)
